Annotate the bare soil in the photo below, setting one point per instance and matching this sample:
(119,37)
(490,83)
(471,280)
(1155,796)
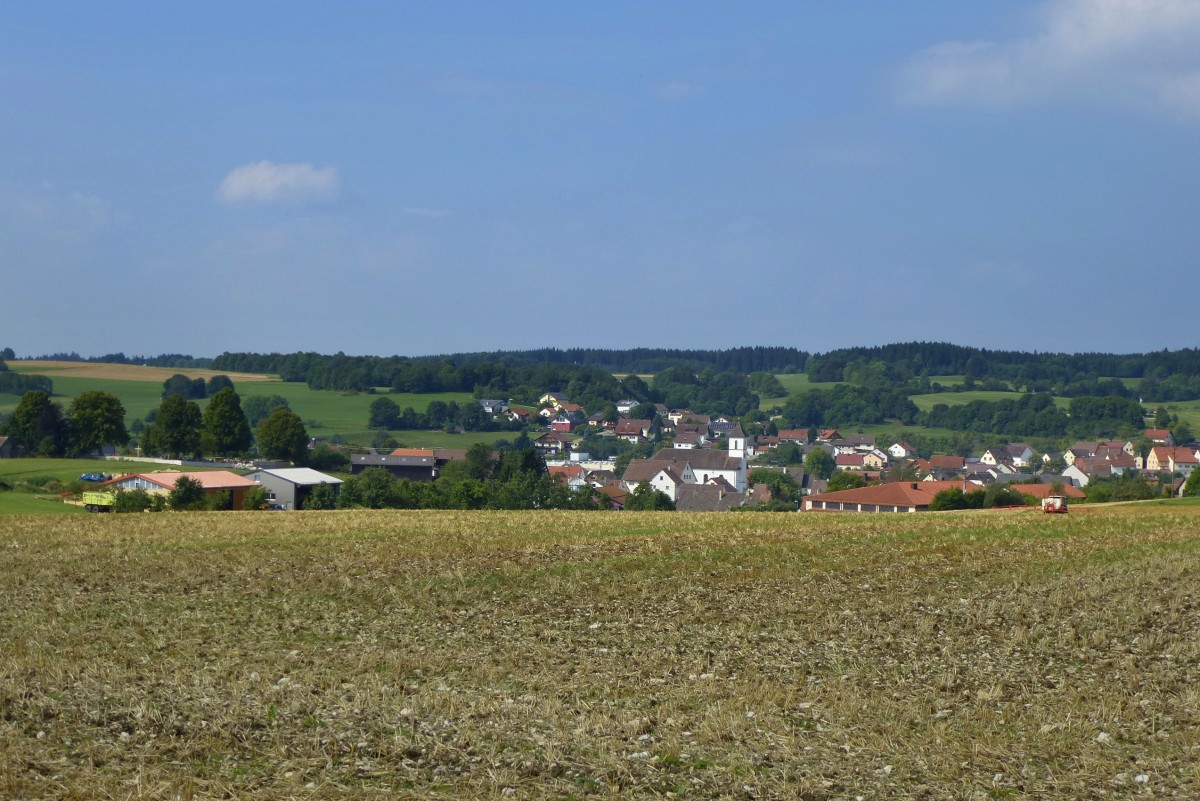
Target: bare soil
(554,655)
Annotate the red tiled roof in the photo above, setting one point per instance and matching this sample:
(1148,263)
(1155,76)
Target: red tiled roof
(897,494)
(412,452)
(208,479)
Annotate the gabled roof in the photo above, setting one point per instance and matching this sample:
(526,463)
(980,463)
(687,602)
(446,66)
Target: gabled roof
(707,498)
(300,476)
(208,479)
(412,452)
(944,462)
(1157,434)
(897,494)
(698,459)
(628,427)
(849,460)
(646,469)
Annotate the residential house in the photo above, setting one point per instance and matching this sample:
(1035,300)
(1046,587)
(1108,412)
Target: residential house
(290,487)
(623,406)
(6,448)
(522,415)
(901,450)
(562,424)
(688,439)
(552,399)
(713,497)
(861,442)
(1165,458)
(874,460)
(1080,450)
(849,461)
(493,407)
(665,478)
(552,442)
(633,430)
(796,435)
(1018,454)
(1159,436)
(574,476)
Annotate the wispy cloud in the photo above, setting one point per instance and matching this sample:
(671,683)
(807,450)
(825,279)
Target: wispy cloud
(1125,51)
(267,182)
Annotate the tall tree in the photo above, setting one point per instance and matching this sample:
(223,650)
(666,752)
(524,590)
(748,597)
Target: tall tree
(818,462)
(176,428)
(37,424)
(225,429)
(97,419)
(259,407)
(283,436)
(383,414)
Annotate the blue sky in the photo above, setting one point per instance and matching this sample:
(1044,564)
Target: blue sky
(422,178)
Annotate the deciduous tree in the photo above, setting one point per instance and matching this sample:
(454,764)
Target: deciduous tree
(97,419)
(37,424)
(283,436)
(176,428)
(225,429)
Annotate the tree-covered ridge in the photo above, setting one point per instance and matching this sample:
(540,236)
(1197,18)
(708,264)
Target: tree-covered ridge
(1032,371)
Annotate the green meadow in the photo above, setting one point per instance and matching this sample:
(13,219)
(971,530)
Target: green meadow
(325,413)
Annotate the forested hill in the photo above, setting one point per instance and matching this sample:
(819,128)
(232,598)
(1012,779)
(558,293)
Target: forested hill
(908,359)
(649,360)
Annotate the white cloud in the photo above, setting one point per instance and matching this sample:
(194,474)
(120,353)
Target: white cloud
(266,182)
(1124,51)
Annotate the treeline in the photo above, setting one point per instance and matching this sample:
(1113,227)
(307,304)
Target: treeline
(845,405)
(708,390)
(1036,415)
(1030,415)
(177,360)
(19,383)
(650,360)
(1025,371)
(514,478)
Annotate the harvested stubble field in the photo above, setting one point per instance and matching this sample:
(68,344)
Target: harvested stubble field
(556,655)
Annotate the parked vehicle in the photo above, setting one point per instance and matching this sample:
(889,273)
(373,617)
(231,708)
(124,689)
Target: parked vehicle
(1054,505)
(93,477)
(98,501)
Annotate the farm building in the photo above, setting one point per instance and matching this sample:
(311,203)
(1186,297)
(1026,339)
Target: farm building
(413,467)
(899,497)
(289,487)
(212,481)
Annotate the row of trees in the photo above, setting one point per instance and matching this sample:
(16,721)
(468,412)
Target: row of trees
(94,419)
(179,429)
(195,388)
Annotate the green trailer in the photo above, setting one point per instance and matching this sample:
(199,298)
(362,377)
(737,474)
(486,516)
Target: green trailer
(99,501)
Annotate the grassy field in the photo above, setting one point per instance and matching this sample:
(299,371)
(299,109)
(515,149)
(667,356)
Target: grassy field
(794,383)
(927,402)
(326,413)
(635,655)
(28,478)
